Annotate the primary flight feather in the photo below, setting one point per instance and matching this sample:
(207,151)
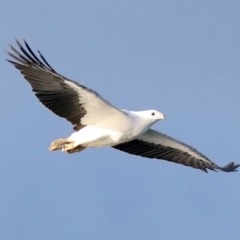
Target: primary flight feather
(97,123)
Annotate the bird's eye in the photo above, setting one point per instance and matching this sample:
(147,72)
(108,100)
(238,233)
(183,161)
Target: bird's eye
(153,113)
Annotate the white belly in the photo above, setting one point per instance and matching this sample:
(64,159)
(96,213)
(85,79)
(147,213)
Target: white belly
(91,136)
(94,136)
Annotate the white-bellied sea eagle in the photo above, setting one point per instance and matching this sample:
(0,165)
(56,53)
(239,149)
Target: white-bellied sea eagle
(97,123)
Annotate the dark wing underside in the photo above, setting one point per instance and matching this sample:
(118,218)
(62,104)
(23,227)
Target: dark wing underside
(66,98)
(171,150)
(50,87)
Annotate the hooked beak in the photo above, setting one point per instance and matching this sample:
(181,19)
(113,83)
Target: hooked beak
(161,116)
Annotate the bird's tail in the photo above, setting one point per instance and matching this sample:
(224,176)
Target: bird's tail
(58,144)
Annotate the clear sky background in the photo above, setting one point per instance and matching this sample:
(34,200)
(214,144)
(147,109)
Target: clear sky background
(179,57)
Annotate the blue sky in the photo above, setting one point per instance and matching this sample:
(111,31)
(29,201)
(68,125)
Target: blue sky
(180,57)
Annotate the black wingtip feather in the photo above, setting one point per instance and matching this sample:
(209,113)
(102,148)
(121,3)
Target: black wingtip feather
(231,167)
(28,56)
(32,53)
(45,61)
(25,52)
(19,54)
(14,57)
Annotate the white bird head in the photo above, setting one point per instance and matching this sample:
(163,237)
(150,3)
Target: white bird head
(151,114)
(154,114)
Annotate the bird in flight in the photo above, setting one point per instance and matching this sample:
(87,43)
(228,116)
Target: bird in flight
(98,123)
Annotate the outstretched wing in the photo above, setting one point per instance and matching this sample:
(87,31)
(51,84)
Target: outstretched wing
(68,99)
(154,144)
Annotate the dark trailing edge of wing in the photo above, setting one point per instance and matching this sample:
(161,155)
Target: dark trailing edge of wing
(151,150)
(51,88)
